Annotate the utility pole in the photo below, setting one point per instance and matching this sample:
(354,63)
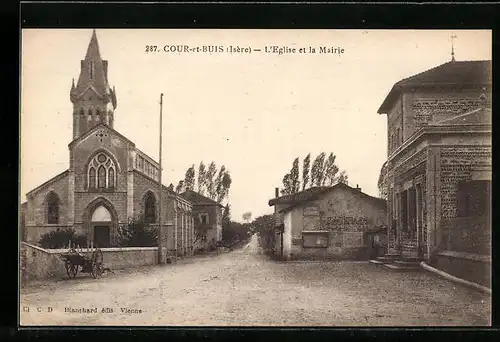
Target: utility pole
(160,229)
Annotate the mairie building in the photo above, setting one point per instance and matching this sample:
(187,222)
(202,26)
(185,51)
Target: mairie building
(109,180)
(439,167)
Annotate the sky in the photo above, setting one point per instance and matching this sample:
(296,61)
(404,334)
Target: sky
(252,112)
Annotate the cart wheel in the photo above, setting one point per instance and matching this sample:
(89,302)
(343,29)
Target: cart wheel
(71,269)
(97,264)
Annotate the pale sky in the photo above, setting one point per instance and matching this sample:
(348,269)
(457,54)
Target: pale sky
(254,113)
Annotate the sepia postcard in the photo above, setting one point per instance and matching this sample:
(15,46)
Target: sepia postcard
(195,177)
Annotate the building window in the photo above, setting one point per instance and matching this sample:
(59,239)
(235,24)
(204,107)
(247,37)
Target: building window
(101,172)
(111,178)
(52,208)
(82,112)
(101,177)
(203,218)
(150,208)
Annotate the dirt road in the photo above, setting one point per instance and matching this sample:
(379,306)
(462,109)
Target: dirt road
(244,288)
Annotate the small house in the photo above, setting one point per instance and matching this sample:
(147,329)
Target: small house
(328,223)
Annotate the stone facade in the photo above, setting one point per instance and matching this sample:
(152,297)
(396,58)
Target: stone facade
(338,222)
(207,218)
(109,180)
(445,142)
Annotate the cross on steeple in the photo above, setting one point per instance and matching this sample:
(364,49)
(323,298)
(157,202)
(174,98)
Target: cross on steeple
(453,36)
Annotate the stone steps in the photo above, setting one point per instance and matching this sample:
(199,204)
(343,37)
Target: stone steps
(402,268)
(395,262)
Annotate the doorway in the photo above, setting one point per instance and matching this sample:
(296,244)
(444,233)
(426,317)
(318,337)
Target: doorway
(101,222)
(102,236)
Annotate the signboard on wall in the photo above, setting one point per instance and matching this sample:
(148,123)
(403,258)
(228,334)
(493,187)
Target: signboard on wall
(311,211)
(352,239)
(312,240)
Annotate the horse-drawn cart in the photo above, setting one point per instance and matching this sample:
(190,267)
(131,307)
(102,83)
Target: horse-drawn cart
(83,260)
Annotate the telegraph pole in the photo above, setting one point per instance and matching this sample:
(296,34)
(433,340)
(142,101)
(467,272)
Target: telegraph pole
(160,230)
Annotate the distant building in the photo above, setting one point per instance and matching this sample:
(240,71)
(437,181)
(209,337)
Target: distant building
(439,166)
(109,180)
(207,215)
(329,222)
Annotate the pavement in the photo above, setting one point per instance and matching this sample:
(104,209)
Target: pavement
(245,288)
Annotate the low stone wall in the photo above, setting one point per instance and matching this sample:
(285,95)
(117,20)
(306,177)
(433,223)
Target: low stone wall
(468,266)
(38,263)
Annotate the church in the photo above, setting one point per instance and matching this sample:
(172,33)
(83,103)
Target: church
(109,180)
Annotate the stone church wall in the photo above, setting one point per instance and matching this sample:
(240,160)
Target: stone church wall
(36,213)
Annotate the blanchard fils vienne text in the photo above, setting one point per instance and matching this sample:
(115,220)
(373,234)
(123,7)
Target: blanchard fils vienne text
(103,310)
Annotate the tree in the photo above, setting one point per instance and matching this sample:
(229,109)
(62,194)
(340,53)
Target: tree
(287,185)
(382,182)
(318,170)
(136,233)
(226,185)
(180,187)
(342,178)
(201,178)
(264,226)
(247,216)
(331,170)
(226,214)
(223,183)
(294,177)
(189,178)
(305,171)
(60,238)
(210,181)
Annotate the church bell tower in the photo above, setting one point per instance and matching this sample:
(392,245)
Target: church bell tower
(93,99)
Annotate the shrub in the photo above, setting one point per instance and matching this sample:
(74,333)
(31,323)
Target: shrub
(137,234)
(60,238)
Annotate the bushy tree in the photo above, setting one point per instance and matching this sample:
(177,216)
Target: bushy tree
(306,165)
(294,176)
(201,178)
(60,238)
(136,233)
(189,178)
(265,227)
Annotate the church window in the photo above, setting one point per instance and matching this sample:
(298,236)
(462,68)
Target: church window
(101,177)
(90,112)
(98,113)
(150,208)
(92,177)
(82,112)
(52,208)
(101,172)
(111,178)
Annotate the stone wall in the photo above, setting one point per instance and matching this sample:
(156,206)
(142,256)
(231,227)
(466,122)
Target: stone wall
(36,211)
(345,216)
(466,235)
(457,164)
(471,267)
(39,263)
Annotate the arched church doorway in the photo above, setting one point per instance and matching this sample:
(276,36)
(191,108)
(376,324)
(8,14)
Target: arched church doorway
(101,223)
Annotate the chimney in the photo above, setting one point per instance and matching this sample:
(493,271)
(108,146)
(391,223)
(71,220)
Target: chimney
(276,192)
(358,188)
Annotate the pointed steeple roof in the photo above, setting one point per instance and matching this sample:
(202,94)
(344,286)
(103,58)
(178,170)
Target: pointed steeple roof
(93,74)
(93,49)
